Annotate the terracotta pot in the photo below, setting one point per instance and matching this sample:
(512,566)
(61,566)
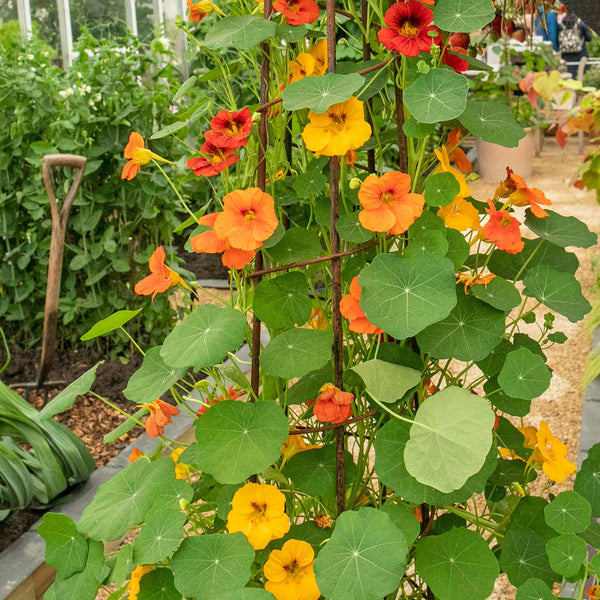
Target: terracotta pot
(493,159)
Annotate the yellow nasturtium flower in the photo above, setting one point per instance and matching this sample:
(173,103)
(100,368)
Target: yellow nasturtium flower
(460,214)
(554,455)
(134,583)
(446,167)
(294,444)
(181,469)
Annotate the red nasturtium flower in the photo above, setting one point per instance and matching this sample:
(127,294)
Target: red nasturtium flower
(160,416)
(452,59)
(503,230)
(232,394)
(248,218)
(351,310)
(138,155)
(332,405)
(217,160)
(388,204)
(407,28)
(297,12)
(230,129)
(161,278)
(515,189)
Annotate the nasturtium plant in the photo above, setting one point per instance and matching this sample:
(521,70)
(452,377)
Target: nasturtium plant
(360,396)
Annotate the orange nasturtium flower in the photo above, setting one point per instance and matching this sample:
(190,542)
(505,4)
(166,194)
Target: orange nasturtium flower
(350,308)
(138,155)
(554,455)
(340,129)
(160,416)
(503,230)
(135,454)
(248,218)
(208,242)
(202,9)
(134,583)
(593,593)
(515,189)
(457,154)
(181,469)
(388,204)
(258,511)
(231,394)
(161,278)
(460,214)
(332,405)
(290,574)
(297,12)
(294,444)
(470,280)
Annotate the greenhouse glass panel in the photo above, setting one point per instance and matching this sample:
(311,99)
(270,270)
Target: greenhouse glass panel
(8,10)
(103,19)
(44,13)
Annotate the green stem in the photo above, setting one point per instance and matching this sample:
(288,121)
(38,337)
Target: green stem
(179,196)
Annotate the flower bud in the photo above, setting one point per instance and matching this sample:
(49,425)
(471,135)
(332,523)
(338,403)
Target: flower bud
(355,183)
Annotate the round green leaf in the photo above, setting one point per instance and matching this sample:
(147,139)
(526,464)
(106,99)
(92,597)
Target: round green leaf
(239,439)
(66,548)
(558,291)
(457,565)
(440,95)
(524,375)
(386,381)
(296,245)
(470,332)
(152,379)
(464,16)
(283,301)
(403,296)
(296,352)
(109,324)
(350,229)
(518,407)
(83,585)
(567,554)
(449,439)
(560,230)
(242,33)
(458,248)
(441,189)
(311,183)
(291,33)
(569,512)
(364,559)
(314,471)
(211,564)
(499,293)
(403,517)
(249,593)
(587,480)
(159,537)
(307,388)
(426,242)
(204,337)
(319,93)
(492,122)
(534,589)
(158,585)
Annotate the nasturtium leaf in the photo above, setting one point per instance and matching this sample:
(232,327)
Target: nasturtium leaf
(242,33)
(364,559)
(282,302)
(290,33)
(558,291)
(124,565)
(66,548)
(534,589)
(507,472)
(160,536)
(522,340)
(499,293)
(350,229)
(492,363)
(403,517)
(457,565)
(296,352)
(239,439)
(458,248)
(296,244)
(426,222)
(374,81)
(124,500)
(158,585)
(441,189)
(524,375)
(109,324)
(319,93)
(595,561)
(509,265)
(311,183)
(492,122)
(519,407)
(307,388)
(386,381)
(314,471)
(587,480)
(152,379)
(204,337)
(416,129)
(462,16)
(425,243)
(566,553)
(170,494)
(84,585)
(403,296)
(249,593)
(389,464)
(470,332)
(211,564)
(569,512)
(560,230)
(449,439)
(67,397)
(440,95)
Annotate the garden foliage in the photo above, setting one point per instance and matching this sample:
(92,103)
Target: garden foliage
(377,450)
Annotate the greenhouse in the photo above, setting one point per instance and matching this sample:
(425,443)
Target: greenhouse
(299,300)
